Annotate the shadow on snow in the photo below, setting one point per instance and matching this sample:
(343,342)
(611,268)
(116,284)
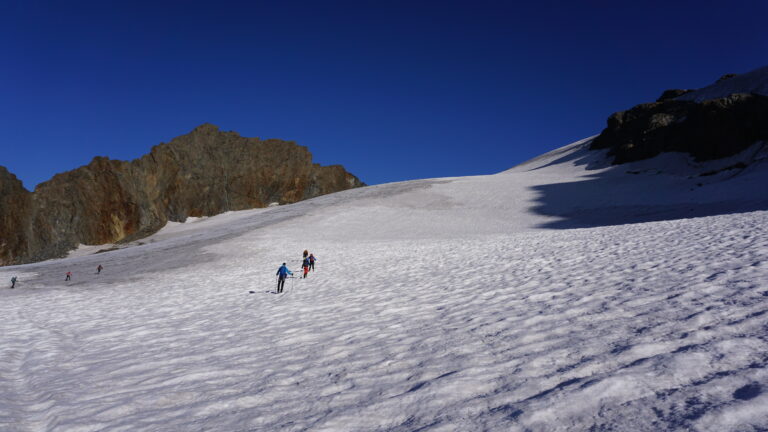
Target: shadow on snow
(668,187)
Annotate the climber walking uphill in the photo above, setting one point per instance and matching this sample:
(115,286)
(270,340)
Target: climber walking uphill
(282,273)
(312,260)
(13,282)
(305,266)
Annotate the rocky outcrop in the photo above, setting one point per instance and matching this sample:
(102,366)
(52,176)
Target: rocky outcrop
(15,206)
(710,129)
(203,173)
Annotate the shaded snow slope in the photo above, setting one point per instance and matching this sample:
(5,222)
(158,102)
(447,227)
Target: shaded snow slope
(437,305)
(755,81)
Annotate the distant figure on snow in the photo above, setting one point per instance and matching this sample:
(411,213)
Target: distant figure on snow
(312,260)
(69,276)
(13,282)
(99,269)
(282,273)
(305,266)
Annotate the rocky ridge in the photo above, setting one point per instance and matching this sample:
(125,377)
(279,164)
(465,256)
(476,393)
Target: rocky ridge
(203,173)
(717,121)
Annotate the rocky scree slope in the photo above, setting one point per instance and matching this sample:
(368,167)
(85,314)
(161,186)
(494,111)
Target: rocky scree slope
(203,173)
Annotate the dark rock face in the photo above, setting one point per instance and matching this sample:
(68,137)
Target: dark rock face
(203,173)
(707,130)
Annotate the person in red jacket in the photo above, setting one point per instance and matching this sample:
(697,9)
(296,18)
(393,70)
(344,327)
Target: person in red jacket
(305,267)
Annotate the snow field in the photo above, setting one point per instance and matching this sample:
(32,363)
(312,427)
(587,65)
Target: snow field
(437,305)
(655,326)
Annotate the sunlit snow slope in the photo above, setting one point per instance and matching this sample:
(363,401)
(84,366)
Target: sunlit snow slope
(563,294)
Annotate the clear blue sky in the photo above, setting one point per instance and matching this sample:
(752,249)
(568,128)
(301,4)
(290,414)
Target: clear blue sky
(393,90)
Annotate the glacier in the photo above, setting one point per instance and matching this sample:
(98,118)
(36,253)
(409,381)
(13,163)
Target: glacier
(564,294)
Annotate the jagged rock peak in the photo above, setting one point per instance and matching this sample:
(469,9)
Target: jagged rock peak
(202,173)
(8,180)
(206,128)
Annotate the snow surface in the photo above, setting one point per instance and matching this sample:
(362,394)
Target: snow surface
(563,294)
(755,82)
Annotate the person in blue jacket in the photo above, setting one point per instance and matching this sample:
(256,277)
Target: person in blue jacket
(282,273)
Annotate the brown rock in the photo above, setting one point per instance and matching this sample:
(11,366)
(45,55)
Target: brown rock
(15,210)
(203,173)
